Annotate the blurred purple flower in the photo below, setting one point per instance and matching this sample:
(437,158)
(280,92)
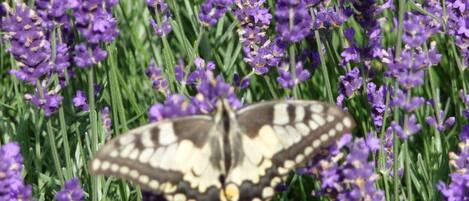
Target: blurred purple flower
(87,56)
(49,103)
(400,99)
(440,123)
(412,127)
(212,10)
(155,73)
(79,101)
(12,186)
(179,71)
(409,68)
(377,100)
(418,29)
(106,119)
(174,106)
(286,79)
(200,72)
(71,191)
(458,187)
(94,20)
(349,83)
(261,53)
(458,25)
(326,18)
(53,12)
(293,22)
(352,179)
(160,8)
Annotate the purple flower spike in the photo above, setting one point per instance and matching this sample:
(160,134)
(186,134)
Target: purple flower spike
(155,73)
(71,191)
(106,119)
(458,187)
(444,124)
(410,129)
(212,10)
(79,101)
(12,186)
(417,29)
(160,8)
(293,22)
(377,100)
(286,79)
(351,177)
(174,106)
(49,103)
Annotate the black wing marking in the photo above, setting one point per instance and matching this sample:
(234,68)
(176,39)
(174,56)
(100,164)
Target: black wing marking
(279,136)
(169,157)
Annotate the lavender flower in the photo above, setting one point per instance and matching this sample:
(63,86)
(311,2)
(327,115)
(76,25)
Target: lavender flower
(412,127)
(212,10)
(200,72)
(12,186)
(155,73)
(457,189)
(106,119)
(53,12)
(49,102)
(409,68)
(174,106)
(79,101)
(293,22)
(286,79)
(260,52)
(179,71)
(458,26)
(87,56)
(326,18)
(440,123)
(418,29)
(212,89)
(95,23)
(71,191)
(162,12)
(354,179)
(28,44)
(408,104)
(377,100)
(348,85)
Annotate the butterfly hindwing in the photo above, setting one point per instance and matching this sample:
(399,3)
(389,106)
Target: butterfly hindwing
(279,136)
(170,157)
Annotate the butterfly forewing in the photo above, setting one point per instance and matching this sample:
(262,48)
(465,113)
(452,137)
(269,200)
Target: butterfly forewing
(280,136)
(170,157)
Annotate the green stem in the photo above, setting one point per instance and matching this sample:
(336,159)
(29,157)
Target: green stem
(330,97)
(94,131)
(51,137)
(293,70)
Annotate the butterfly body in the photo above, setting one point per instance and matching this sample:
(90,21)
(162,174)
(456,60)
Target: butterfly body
(227,156)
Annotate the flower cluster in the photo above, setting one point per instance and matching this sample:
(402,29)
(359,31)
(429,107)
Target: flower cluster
(209,90)
(12,186)
(159,8)
(71,191)
(106,119)
(261,53)
(212,10)
(155,73)
(326,17)
(349,83)
(458,25)
(458,188)
(94,21)
(29,45)
(354,178)
(293,22)
(377,100)
(286,79)
(79,101)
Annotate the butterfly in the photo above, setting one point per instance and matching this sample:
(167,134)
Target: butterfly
(230,155)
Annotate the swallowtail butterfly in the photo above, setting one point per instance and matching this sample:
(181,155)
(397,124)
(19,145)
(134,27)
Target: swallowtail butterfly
(227,156)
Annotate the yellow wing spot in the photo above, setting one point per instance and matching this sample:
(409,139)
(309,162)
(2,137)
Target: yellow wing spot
(230,193)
